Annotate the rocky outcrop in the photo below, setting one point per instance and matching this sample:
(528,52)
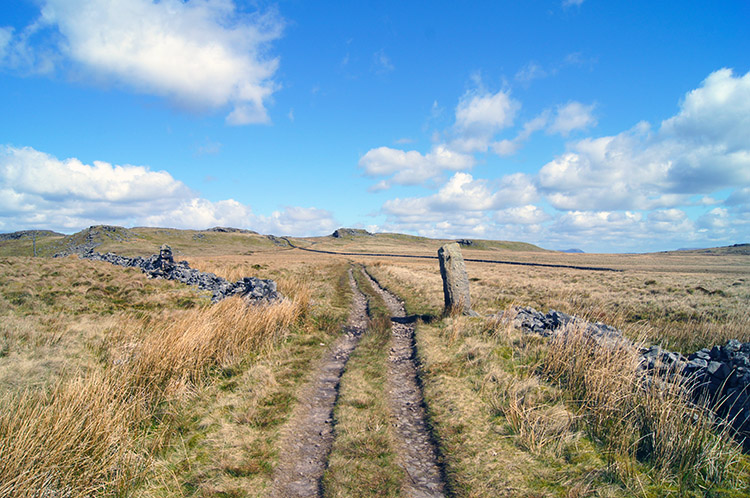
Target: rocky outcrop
(717,377)
(350,232)
(231,230)
(455,279)
(87,240)
(162,265)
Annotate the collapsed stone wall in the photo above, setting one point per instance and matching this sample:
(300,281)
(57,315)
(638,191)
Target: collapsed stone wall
(718,377)
(162,265)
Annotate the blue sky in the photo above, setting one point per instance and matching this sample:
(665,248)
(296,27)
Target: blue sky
(607,126)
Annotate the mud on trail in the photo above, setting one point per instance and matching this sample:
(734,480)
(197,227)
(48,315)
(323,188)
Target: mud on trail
(415,447)
(307,443)
(308,439)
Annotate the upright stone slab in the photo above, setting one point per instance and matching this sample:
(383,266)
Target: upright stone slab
(455,280)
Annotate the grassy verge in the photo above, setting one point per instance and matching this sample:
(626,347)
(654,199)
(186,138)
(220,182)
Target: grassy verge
(645,426)
(567,418)
(229,435)
(502,431)
(94,431)
(362,460)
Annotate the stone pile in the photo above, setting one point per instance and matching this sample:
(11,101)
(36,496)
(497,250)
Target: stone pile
(718,377)
(162,265)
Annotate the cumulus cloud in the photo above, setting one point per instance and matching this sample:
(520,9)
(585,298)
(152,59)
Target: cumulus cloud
(411,167)
(201,53)
(202,213)
(38,190)
(463,194)
(686,179)
(479,116)
(700,150)
(522,215)
(508,147)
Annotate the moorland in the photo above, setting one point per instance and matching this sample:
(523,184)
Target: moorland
(114,384)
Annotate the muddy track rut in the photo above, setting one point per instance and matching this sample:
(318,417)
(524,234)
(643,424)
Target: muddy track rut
(416,449)
(308,439)
(307,442)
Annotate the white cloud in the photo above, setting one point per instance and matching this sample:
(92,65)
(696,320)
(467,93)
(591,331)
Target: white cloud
(36,173)
(479,116)
(411,167)
(572,116)
(202,213)
(507,147)
(38,190)
(701,150)
(522,215)
(568,3)
(201,54)
(463,195)
(298,221)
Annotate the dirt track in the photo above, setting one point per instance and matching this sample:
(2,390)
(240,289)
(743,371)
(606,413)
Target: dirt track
(416,451)
(308,438)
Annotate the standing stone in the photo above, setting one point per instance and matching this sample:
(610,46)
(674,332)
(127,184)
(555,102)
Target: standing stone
(455,280)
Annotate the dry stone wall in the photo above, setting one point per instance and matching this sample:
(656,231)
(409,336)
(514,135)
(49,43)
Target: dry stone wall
(162,265)
(717,377)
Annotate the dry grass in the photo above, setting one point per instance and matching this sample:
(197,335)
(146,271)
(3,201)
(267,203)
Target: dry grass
(75,440)
(97,362)
(502,431)
(595,424)
(644,420)
(230,433)
(682,302)
(81,436)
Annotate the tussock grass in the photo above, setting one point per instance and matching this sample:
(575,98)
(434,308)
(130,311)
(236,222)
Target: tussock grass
(502,430)
(230,432)
(81,437)
(641,420)
(75,440)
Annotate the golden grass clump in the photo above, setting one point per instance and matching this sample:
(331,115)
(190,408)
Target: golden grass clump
(74,440)
(639,418)
(82,437)
(185,348)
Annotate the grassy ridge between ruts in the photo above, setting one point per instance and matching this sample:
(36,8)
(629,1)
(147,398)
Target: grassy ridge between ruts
(363,461)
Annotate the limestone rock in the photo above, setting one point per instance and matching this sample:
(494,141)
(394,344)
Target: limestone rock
(455,280)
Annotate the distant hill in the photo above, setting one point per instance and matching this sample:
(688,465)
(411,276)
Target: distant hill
(742,249)
(28,234)
(144,241)
(573,250)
